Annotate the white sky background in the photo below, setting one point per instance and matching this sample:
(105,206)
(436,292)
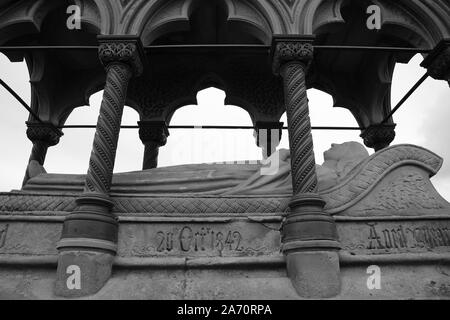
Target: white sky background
(423,120)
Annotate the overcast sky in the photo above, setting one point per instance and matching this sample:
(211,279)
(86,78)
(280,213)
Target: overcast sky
(423,120)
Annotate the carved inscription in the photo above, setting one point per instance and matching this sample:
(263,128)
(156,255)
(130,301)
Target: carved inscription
(402,237)
(203,239)
(395,237)
(180,239)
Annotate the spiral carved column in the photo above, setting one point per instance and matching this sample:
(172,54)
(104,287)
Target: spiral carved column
(89,237)
(309,235)
(153,135)
(43,136)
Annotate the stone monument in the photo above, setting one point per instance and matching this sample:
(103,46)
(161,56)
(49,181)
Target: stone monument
(306,232)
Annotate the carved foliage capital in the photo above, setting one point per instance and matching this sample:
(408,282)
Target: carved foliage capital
(125,51)
(43,132)
(379,136)
(438,61)
(288,50)
(153,131)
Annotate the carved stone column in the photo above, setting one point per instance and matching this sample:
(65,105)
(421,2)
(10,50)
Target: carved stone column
(379,136)
(309,235)
(438,61)
(268,136)
(153,135)
(43,136)
(89,237)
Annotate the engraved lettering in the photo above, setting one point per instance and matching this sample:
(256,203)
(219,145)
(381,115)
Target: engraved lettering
(374,238)
(186,236)
(3,232)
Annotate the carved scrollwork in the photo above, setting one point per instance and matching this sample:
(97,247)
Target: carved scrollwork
(368,174)
(408,191)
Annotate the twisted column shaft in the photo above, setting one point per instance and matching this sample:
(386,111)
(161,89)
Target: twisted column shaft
(304,178)
(101,163)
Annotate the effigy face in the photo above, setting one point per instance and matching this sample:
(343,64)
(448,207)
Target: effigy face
(346,151)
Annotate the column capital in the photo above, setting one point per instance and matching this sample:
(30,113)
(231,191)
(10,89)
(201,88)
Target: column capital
(379,136)
(438,61)
(123,49)
(153,131)
(45,132)
(291,48)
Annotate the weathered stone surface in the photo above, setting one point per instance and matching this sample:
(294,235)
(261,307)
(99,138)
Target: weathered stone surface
(82,273)
(314,274)
(29,238)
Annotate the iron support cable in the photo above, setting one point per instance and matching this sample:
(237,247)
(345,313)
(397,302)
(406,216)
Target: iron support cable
(406,97)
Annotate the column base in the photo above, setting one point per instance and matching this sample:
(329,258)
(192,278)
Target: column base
(82,273)
(310,244)
(87,247)
(314,274)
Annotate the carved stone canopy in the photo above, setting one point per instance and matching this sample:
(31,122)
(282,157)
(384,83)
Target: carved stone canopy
(175,76)
(359,81)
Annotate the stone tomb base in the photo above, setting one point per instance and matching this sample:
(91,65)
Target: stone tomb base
(390,221)
(232,258)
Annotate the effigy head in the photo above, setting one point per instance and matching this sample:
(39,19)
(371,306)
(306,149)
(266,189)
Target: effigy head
(346,151)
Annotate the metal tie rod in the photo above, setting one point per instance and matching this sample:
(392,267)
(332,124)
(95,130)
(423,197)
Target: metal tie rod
(225,46)
(406,97)
(208,127)
(25,105)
